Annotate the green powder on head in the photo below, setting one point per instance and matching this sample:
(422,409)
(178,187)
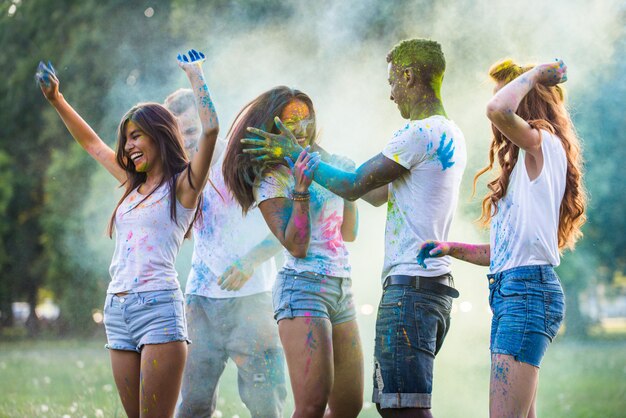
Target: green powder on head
(424,55)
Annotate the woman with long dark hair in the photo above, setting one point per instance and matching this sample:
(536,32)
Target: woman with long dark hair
(143,313)
(312,295)
(535,208)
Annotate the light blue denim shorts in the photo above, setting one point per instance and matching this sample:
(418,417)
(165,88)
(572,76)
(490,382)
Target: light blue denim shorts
(312,294)
(528,306)
(136,319)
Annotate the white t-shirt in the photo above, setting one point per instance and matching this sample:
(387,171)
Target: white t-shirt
(327,252)
(524,231)
(221,237)
(147,242)
(422,202)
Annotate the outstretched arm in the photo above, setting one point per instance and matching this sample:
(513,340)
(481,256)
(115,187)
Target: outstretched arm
(199,166)
(502,107)
(237,275)
(373,174)
(79,129)
(475,254)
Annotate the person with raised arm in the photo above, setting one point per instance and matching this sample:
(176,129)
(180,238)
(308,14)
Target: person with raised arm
(231,278)
(143,313)
(535,208)
(418,174)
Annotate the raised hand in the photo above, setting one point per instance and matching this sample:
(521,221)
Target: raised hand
(303,169)
(432,249)
(47,79)
(552,73)
(193,62)
(274,147)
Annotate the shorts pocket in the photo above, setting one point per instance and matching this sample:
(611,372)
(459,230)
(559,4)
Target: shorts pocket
(427,321)
(554,303)
(512,289)
(392,296)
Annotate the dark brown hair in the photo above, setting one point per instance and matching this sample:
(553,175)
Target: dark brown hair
(160,126)
(543,108)
(242,170)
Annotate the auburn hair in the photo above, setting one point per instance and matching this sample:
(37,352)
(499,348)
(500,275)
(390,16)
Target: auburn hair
(544,109)
(241,171)
(160,125)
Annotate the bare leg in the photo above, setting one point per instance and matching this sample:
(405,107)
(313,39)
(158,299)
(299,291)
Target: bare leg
(512,387)
(308,349)
(533,406)
(125,366)
(162,368)
(346,397)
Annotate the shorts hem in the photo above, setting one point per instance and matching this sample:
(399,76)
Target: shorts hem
(121,348)
(160,341)
(402,400)
(300,313)
(516,357)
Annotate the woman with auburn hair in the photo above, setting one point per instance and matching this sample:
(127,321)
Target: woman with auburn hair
(312,295)
(143,313)
(536,208)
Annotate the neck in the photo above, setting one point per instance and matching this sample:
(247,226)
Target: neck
(153,178)
(428,103)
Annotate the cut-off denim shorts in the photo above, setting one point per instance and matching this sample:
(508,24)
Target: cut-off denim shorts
(312,294)
(136,319)
(528,307)
(411,327)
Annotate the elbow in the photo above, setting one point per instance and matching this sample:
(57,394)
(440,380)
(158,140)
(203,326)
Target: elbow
(210,134)
(349,237)
(497,112)
(298,251)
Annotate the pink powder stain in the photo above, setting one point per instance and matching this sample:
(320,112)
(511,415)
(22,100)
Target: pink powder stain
(307,315)
(129,236)
(331,230)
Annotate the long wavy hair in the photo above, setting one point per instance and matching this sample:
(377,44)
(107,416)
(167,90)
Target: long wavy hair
(241,170)
(543,108)
(160,125)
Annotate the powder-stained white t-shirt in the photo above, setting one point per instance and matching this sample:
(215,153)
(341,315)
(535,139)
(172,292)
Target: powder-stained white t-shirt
(222,236)
(422,202)
(327,252)
(147,242)
(524,231)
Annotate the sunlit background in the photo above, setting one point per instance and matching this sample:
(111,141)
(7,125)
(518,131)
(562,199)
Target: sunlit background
(55,202)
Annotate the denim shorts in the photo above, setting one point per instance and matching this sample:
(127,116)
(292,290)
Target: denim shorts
(312,294)
(136,319)
(410,329)
(528,306)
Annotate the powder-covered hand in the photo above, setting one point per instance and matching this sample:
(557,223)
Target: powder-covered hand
(191,63)
(48,82)
(552,73)
(235,276)
(432,249)
(274,147)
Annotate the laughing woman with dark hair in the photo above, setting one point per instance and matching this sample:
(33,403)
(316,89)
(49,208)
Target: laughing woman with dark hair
(312,295)
(143,314)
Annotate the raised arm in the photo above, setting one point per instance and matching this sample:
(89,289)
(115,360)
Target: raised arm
(289,220)
(475,254)
(373,174)
(76,125)
(502,107)
(201,161)
(350,224)
(237,275)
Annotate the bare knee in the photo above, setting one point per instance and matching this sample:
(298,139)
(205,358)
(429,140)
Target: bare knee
(404,412)
(310,410)
(347,409)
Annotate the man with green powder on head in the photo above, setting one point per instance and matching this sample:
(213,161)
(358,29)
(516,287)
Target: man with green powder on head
(418,174)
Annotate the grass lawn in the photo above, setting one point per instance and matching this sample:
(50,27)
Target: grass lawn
(72,378)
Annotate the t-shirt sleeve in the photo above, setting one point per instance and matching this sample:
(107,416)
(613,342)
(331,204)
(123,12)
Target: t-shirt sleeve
(407,146)
(274,183)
